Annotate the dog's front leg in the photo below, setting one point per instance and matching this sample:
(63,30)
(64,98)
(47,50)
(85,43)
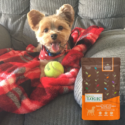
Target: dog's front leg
(42,66)
(38,48)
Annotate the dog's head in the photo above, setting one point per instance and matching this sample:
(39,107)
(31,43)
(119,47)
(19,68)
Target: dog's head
(52,31)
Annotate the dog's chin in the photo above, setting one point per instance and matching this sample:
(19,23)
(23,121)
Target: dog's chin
(55,48)
(52,50)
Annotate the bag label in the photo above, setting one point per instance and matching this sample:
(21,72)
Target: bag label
(93,97)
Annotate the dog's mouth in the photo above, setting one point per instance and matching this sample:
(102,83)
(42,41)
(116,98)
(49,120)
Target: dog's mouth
(55,46)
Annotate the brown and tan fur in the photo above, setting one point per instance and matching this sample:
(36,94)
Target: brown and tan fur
(39,23)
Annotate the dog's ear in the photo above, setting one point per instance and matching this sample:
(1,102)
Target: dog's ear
(67,12)
(34,17)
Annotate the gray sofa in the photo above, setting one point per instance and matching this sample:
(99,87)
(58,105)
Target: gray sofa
(16,33)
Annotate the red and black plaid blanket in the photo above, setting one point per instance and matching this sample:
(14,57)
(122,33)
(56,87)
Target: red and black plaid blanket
(21,89)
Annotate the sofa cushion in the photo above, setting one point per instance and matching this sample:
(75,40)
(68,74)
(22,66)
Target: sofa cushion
(110,44)
(109,14)
(13,16)
(7,118)
(5,39)
(61,111)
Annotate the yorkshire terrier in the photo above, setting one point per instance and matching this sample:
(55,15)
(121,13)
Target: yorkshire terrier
(52,33)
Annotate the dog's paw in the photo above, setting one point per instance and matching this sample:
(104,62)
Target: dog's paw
(35,50)
(38,48)
(42,75)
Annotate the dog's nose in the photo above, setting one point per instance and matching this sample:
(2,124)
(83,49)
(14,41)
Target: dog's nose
(54,36)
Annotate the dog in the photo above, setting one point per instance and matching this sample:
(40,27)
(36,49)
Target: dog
(52,33)
(91,112)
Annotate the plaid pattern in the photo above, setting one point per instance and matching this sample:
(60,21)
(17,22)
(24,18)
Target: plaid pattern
(21,89)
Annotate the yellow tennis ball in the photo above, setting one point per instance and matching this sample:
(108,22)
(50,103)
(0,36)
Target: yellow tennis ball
(53,69)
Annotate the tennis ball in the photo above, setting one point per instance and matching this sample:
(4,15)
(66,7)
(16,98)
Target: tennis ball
(53,69)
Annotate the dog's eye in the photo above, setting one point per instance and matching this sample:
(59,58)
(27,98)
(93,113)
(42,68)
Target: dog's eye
(46,30)
(60,28)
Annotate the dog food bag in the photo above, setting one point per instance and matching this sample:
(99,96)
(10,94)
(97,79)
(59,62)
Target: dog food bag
(101,85)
